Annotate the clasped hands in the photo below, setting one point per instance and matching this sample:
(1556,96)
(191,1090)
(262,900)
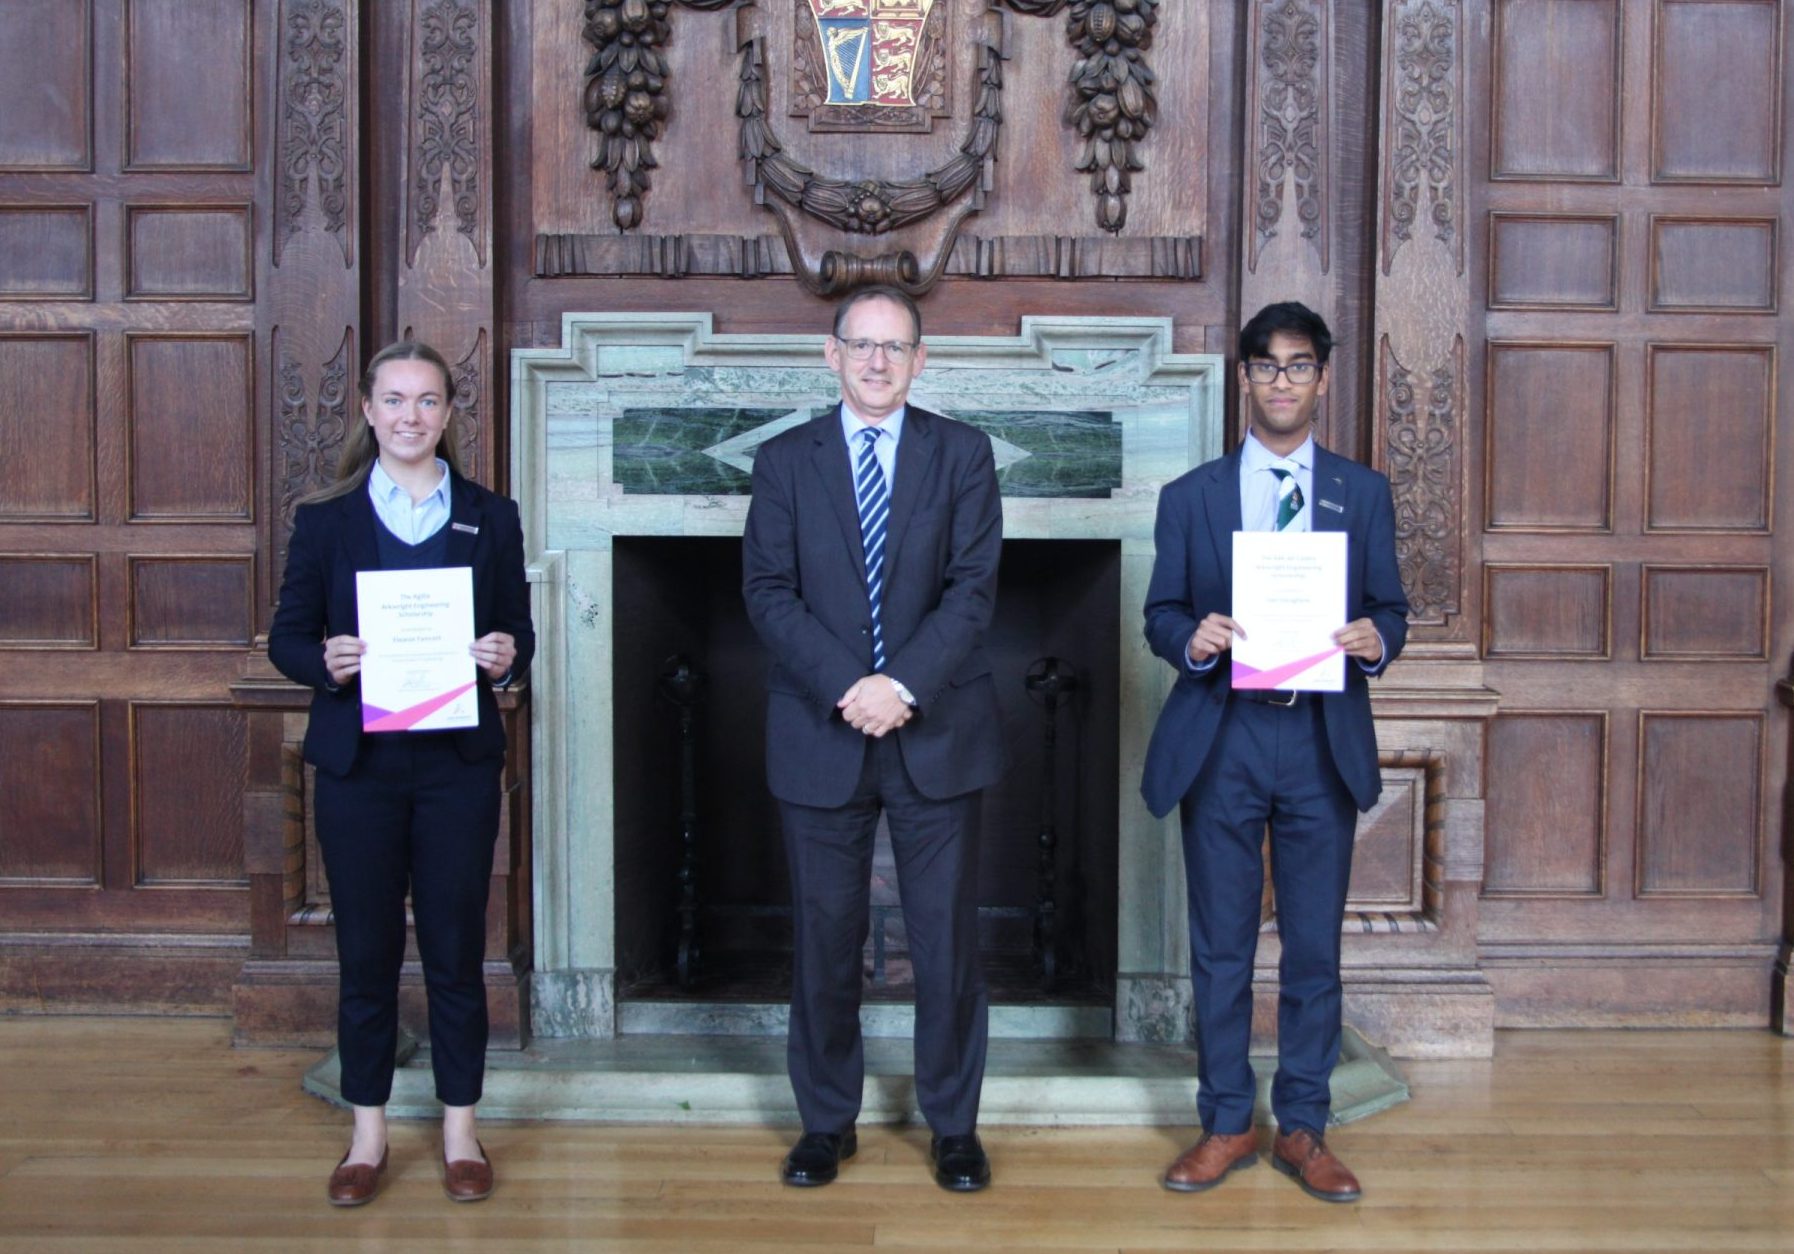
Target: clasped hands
(495,653)
(872,706)
(1214,634)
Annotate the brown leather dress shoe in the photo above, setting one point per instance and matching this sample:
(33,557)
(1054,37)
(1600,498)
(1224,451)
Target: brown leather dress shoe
(1305,1158)
(1206,1163)
(468,1179)
(355,1185)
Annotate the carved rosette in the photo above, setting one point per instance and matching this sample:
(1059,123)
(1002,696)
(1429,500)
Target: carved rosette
(1290,141)
(445,124)
(308,434)
(1422,143)
(313,142)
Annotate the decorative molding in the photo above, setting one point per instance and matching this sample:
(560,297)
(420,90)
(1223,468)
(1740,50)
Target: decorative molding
(1424,455)
(312,140)
(309,432)
(445,121)
(470,406)
(1290,137)
(1421,130)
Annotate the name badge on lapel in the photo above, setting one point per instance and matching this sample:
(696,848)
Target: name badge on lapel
(474,531)
(1332,505)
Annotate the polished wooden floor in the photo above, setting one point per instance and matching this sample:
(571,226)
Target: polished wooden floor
(154,1135)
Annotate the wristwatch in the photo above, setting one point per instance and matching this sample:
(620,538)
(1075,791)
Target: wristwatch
(909,698)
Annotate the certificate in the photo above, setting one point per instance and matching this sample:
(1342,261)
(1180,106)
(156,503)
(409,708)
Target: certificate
(1289,597)
(417,674)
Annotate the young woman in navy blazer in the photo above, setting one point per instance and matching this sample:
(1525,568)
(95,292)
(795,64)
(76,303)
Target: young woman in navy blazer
(404,812)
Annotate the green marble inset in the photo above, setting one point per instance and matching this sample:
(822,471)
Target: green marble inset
(1071,453)
(660,451)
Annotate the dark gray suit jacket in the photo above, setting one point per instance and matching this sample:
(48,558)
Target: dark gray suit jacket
(804,581)
(1192,577)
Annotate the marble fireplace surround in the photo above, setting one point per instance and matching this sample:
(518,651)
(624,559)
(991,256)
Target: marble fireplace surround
(585,474)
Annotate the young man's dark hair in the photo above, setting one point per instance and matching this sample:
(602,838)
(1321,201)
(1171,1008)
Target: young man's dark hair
(881,291)
(1292,318)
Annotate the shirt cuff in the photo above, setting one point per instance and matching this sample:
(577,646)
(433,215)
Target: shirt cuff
(1198,668)
(1370,668)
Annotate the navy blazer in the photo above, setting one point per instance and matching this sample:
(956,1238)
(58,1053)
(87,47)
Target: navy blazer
(804,582)
(334,539)
(1192,577)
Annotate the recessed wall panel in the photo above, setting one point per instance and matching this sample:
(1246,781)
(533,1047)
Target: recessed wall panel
(1549,123)
(1386,859)
(46,252)
(1553,261)
(189,768)
(188,75)
(191,602)
(48,602)
(1546,814)
(1706,612)
(50,793)
(191,425)
(1717,265)
(46,85)
(1708,429)
(1549,437)
(1716,92)
(188,253)
(1546,611)
(1699,810)
(47,414)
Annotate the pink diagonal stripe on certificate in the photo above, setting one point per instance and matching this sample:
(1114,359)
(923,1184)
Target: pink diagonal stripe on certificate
(1246,677)
(404,720)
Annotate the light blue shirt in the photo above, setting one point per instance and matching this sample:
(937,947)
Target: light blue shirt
(411,522)
(1259,487)
(884,448)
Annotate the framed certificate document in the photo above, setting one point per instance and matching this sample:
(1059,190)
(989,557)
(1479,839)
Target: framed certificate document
(417,674)
(1289,597)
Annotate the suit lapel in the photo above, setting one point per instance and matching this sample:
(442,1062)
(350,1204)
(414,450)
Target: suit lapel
(829,457)
(1221,496)
(915,462)
(358,530)
(464,522)
(1330,506)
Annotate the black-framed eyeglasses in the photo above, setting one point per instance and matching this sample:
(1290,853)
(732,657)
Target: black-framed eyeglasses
(1297,372)
(895,350)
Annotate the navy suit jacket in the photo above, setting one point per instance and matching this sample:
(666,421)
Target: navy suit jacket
(1192,577)
(334,539)
(804,581)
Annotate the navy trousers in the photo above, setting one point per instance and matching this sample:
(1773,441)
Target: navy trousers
(410,816)
(1268,765)
(935,844)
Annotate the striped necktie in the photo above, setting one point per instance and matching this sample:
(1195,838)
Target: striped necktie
(875,509)
(1289,497)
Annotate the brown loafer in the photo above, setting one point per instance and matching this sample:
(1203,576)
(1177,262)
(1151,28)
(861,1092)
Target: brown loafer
(468,1179)
(356,1185)
(1305,1158)
(1207,1163)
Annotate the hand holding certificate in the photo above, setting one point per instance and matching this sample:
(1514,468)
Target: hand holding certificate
(1289,599)
(416,671)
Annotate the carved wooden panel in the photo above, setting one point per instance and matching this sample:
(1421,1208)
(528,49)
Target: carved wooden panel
(1717,613)
(46,85)
(1390,849)
(49,602)
(1700,399)
(50,792)
(1548,460)
(1714,265)
(1699,803)
(46,252)
(1547,611)
(187,77)
(189,766)
(47,412)
(1554,261)
(1545,820)
(191,602)
(1288,151)
(1545,121)
(1716,92)
(191,427)
(188,252)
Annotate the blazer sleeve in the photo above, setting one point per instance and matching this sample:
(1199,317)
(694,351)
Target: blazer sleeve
(1385,602)
(296,638)
(510,602)
(1171,611)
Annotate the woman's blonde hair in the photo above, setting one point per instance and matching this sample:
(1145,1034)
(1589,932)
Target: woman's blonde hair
(360,450)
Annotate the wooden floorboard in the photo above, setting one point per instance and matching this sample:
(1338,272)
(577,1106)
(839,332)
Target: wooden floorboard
(153,1135)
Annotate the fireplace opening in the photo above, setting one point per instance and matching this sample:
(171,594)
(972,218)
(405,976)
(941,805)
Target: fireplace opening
(702,899)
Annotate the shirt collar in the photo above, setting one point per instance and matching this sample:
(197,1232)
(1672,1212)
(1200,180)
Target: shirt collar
(381,484)
(852,423)
(1255,456)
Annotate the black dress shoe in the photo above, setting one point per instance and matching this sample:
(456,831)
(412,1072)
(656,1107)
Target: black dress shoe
(816,1158)
(960,1163)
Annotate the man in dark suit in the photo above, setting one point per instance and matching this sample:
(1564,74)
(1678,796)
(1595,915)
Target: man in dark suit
(1234,760)
(870,572)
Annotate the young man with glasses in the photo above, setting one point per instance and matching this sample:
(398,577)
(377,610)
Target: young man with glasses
(1234,761)
(870,573)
